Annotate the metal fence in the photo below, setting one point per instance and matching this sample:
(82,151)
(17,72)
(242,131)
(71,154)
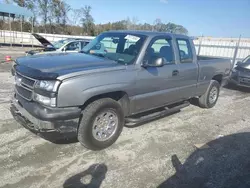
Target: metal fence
(231,48)
(12,38)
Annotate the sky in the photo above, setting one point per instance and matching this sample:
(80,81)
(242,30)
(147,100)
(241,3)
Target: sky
(218,18)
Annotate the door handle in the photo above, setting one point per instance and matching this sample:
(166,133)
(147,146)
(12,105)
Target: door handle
(175,72)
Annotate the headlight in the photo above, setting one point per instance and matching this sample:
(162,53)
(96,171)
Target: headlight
(45,92)
(47,85)
(45,100)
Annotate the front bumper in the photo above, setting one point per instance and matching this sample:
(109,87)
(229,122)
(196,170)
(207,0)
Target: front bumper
(35,116)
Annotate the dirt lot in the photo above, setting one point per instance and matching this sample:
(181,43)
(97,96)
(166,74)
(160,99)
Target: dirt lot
(158,153)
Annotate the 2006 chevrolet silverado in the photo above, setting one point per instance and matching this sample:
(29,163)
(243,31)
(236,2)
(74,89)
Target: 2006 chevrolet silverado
(98,91)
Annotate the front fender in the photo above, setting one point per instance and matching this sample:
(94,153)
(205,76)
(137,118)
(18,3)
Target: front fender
(71,97)
(104,89)
(77,90)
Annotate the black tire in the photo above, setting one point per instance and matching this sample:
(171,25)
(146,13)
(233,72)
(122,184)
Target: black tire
(86,124)
(204,101)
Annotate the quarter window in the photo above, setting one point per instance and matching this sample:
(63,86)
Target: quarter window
(185,51)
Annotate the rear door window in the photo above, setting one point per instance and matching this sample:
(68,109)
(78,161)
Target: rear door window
(185,51)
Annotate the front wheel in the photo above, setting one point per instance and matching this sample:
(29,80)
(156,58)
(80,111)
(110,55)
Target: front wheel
(209,99)
(101,124)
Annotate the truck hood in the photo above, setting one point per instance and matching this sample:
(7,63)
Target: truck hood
(51,66)
(244,65)
(42,40)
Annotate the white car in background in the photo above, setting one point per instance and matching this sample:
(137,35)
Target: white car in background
(68,45)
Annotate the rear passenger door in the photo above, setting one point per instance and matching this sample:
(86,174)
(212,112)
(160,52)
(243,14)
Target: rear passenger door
(158,86)
(188,68)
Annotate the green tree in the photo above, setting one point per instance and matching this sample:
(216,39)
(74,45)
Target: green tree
(178,29)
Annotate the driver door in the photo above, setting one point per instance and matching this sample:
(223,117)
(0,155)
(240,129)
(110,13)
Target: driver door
(158,86)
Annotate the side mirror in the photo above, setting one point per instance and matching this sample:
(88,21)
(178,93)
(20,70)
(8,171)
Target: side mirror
(158,62)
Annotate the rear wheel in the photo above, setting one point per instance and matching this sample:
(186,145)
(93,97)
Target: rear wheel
(101,124)
(209,99)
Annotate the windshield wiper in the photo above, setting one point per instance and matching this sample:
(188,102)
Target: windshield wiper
(99,55)
(81,51)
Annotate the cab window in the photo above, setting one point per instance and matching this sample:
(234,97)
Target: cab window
(185,51)
(160,47)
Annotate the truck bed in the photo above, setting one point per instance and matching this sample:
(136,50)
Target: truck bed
(215,65)
(209,58)
(220,64)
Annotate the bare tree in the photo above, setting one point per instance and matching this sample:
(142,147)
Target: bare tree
(8,1)
(54,16)
(65,8)
(132,23)
(87,20)
(44,6)
(75,16)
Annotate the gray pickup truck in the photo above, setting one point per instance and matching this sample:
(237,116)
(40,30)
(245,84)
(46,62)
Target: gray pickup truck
(136,77)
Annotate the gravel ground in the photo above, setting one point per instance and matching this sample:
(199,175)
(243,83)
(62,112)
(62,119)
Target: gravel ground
(193,148)
(14,52)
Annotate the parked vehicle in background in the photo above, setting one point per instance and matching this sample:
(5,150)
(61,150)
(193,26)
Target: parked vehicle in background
(65,45)
(120,76)
(240,75)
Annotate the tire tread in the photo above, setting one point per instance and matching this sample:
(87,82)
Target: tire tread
(203,100)
(86,118)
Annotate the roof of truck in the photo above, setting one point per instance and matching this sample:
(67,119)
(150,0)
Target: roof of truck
(148,33)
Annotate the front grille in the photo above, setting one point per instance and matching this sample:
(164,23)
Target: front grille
(27,82)
(24,86)
(244,81)
(26,94)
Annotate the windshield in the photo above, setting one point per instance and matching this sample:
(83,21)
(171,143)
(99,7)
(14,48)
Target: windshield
(60,43)
(120,47)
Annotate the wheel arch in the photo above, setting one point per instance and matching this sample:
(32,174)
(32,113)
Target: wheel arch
(120,96)
(218,78)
